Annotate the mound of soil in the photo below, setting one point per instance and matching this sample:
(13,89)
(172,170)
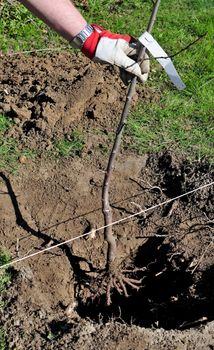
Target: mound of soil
(48,97)
(53,301)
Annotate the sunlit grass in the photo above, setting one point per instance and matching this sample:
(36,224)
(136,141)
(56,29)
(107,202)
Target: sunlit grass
(9,150)
(5,277)
(69,147)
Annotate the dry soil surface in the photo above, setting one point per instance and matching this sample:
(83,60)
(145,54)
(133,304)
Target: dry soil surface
(56,300)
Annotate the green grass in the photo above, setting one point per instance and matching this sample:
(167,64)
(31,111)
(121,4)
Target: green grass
(5,275)
(2,340)
(9,151)
(69,148)
(174,123)
(182,121)
(21,31)
(5,278)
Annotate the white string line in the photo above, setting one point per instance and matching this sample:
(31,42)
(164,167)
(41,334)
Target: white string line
(103,227)
(34,51)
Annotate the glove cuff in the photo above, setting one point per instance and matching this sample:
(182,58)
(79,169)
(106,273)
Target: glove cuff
(89,46)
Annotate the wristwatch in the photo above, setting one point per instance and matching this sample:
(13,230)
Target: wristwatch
(79,39)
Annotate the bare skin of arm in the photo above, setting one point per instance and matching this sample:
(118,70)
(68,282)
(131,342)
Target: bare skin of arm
(60,15)
(100,45)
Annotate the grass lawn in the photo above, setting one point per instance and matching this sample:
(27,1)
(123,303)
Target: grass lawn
(181,121)
(69,148)
(9,150)
(5,277)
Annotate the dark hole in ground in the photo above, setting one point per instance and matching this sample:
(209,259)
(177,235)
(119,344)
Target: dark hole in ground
(169,298)
(57,328)
(10,114)
(30,125)
(90,114)
(42,97)
(173,180)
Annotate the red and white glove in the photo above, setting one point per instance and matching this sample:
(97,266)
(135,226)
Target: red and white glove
(116,49)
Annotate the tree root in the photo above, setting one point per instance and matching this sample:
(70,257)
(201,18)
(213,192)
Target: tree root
(119,281)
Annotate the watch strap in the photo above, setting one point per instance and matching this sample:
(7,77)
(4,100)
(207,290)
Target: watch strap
(82,36)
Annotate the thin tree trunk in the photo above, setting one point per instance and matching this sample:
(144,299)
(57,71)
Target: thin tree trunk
(107,212)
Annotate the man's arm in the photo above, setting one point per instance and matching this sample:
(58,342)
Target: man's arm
(60,15)
(95,42)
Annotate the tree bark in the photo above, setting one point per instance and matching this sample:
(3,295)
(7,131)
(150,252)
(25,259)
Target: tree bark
(106,208)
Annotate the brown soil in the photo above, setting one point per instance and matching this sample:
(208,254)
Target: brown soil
(51,302)
(49,97)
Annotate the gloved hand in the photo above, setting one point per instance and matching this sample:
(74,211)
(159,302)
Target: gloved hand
(117,49)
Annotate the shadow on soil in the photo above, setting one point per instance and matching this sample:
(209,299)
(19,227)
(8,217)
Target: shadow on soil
(169,298)
(66,249)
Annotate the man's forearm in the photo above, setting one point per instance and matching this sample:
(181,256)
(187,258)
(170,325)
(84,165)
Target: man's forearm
(96,43)
(60,15)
